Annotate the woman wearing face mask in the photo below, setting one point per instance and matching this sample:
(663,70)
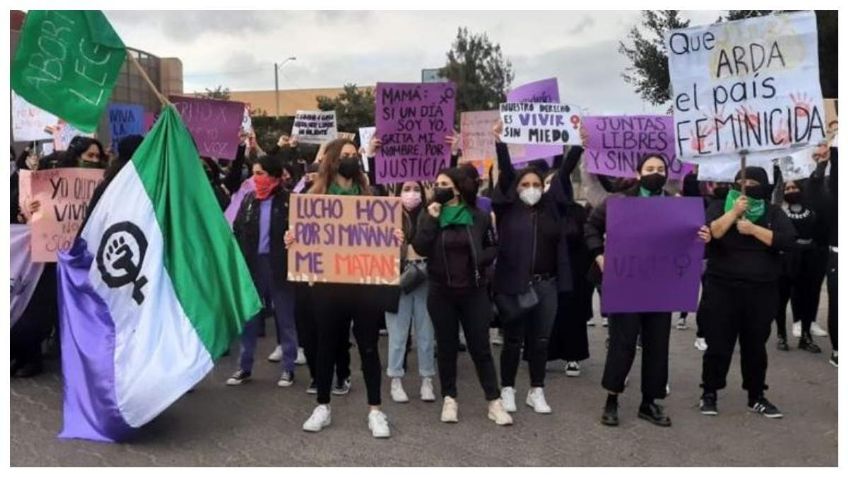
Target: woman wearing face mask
(409,307)
(802,275)
(531,268)
(458,241)
(259,228)
(741,288)
(85,152)
(624,328)
(336,305)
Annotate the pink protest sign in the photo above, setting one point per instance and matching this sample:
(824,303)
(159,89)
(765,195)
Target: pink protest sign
(413,120)
(616,143)
(214,124)
(63,195)
(542,91)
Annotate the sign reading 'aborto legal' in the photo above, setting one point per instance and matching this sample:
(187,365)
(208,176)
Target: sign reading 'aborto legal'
(344,239)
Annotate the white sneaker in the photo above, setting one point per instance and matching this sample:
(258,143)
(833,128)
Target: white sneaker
(301,357)
(591,322)
(572,369)
(398,394)
(536,400)
(817,330)
(427,394)
(700,344)
(667,390)
(319,419)
(796,329)
(378,423)
(495,337)
(277,355)
(681,324)
(450,410)
(508,399)
(605,322)
(498,414)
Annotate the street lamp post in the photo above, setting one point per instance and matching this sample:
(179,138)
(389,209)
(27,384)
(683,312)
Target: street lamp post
(277,67)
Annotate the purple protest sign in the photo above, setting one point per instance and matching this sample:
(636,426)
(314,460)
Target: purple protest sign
(616,143)
(653,256)
(542,91)
(214,124)
(235,201)
(412,122)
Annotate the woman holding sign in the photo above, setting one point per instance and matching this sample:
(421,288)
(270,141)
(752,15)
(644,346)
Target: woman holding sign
(530,272)
(337,304)
(457,239)
(625,328)
(741,292)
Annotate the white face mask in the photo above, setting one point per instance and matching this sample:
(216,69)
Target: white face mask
(530,195)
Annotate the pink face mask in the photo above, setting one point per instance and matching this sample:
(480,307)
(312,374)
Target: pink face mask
(410,199)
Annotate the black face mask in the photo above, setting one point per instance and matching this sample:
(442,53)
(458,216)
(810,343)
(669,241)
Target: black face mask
(720,192)
(792,198)
(349,167)
(652,182)
(443,195)
(756,192)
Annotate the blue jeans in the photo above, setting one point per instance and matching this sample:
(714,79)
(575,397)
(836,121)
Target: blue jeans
(282,297)
(412,309)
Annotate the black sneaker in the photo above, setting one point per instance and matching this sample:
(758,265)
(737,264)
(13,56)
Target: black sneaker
(312,389)
(238,378)
(806,343)
(340,389)
(610,416)
(761,405)
(834,359)
(29,370)
(709,405)
(782,344)
(653,413)
(286,379)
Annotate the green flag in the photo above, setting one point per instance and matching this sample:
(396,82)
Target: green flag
(67,63)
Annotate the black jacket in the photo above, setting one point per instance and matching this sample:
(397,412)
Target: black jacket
(519,225)
(246,230)
(821,194)
(429,242)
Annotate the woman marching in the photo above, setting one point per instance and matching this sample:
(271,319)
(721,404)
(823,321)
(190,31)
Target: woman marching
(624,328)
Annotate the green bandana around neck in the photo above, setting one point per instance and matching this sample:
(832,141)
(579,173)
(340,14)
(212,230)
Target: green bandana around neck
(646,193)
(336,189)
(756,207)
(455,215)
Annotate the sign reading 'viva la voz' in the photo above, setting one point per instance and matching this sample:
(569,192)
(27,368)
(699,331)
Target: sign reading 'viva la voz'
(749,85)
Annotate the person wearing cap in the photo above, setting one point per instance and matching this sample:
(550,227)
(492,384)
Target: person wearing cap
(741,292)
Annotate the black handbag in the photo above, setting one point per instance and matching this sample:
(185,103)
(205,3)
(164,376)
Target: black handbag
(413,276)
(511,307)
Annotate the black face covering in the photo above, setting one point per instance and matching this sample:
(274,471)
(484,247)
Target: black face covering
(756,192)
(720,192)
(652,182)
(443,195)
(349,167)
(792,198)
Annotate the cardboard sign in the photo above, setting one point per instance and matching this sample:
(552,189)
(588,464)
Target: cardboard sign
(64,195)
(540,123)
(29,122)
(615,144)
(214,124)
(478,143)
(413,120)
(653,255)
(748,85)
(125,120)
(365,135)
(344,239)
(315,127)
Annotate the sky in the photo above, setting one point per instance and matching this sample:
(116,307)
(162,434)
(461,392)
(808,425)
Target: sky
(237,49)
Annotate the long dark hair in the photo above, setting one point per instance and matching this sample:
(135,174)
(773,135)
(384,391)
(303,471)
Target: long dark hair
(330,167)
(466,186)
(80,144)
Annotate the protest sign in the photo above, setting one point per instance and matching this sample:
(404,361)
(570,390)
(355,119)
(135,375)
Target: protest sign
(542,91)
(344,239)
(365,135)
(314,127)
(477,140)
(797,165)
(29,121)
(125,120)
(149,119)
(653,256)
(413,120)
(214,124)
(724,168)
(748,85)
(25,273)
(540,123)
(246,122)
(63,133)
(235,201)
(831,114)
(615,144)
(64,195)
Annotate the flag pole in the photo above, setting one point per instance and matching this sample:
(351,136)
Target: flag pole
(742,155)
(134,61)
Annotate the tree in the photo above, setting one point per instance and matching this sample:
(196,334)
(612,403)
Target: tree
(219,92)
(649,70)
(354,108)
(478,68)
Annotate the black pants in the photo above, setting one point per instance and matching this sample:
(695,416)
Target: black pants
(744,311)
(805,289)
(536,324)
(832,300)
(336,305)
(38,320)
(624,329)
(307,335)
(471,307)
